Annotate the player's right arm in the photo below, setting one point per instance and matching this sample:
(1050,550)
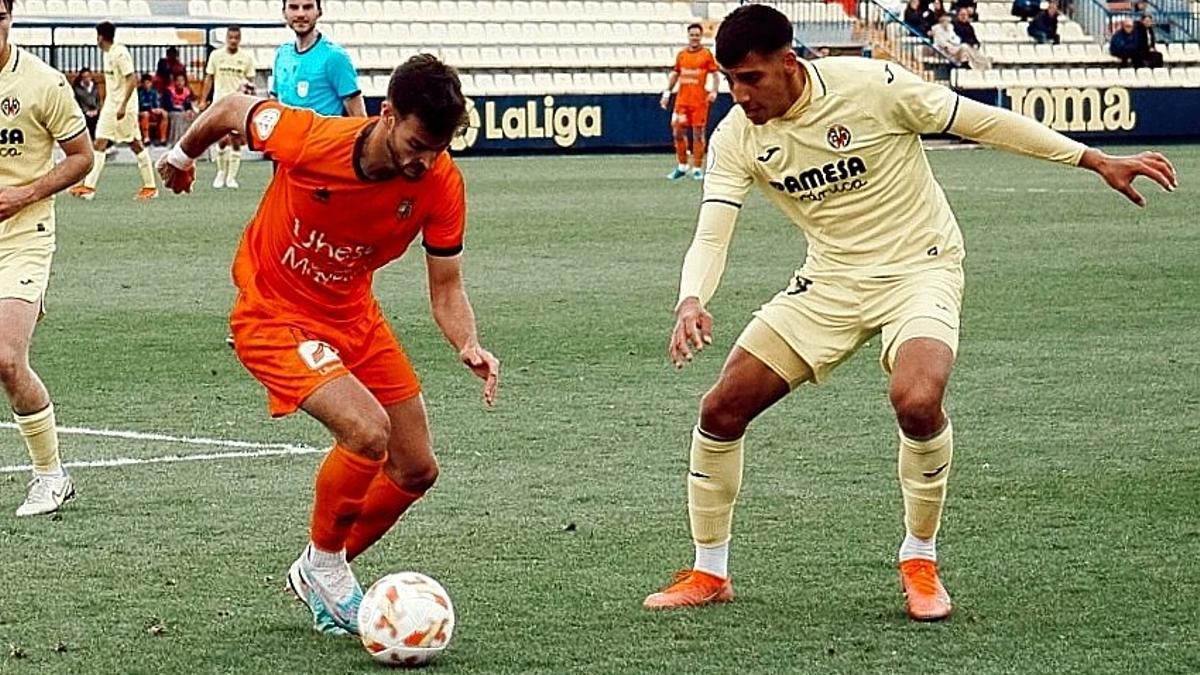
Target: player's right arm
(205,90)
(672,78)
(726,183)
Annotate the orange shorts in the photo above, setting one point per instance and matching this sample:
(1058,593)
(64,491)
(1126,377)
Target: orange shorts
(292,355)
(689,115)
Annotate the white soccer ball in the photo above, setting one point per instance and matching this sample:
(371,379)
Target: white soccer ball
(406,619)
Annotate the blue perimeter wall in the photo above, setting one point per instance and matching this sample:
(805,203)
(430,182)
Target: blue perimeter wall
(635,122)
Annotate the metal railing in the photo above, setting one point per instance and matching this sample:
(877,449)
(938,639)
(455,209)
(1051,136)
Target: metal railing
(1171,24)
(892,38)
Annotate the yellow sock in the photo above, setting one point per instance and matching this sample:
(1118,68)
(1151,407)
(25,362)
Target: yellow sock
(41,437)
(93,176)
(146,168)
(234,163)
(714,478)
(924,468)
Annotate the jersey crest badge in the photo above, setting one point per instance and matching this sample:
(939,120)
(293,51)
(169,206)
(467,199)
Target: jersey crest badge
(10,107)
(404,210)
(302,88)
(838,137)
(265,121)
(318,355)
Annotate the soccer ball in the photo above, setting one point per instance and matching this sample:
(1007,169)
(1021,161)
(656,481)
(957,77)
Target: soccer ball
(406,619)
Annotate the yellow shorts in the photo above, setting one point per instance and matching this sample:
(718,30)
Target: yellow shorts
(118,131)
(25,272)
(820,320)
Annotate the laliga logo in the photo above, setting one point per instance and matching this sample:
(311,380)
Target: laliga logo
(10,107)
(467,138)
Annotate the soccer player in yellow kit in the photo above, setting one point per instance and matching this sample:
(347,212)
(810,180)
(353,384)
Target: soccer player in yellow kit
(118,121)
(230,70)
(835,144)
(40,112)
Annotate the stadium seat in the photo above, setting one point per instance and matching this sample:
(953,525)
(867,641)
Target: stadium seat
(621,82)
(484,84)
(602,83)
(523,83)
(56,7)
(581,82)
(504,84)
(640,82)
(468,83)
(1061,77)
(563,83)
(368,58)
(139,8)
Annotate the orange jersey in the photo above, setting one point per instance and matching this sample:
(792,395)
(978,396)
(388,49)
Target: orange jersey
(322,228)
(693,69)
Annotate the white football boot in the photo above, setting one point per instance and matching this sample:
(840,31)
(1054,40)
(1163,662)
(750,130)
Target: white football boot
(331,593)
(47,494)
(219,180)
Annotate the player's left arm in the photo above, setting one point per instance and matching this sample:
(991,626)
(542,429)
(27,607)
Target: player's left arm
(66,173)
(456,318)
(130,87)
(924,107)
(1016,133)
(62,117)
(344,77)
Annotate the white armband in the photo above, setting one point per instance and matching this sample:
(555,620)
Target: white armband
(179,159)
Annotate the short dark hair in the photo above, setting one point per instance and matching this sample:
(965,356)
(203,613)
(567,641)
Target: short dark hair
(752,28)
(426,87)
(696,26)
(285,2)
(8,5)
(233,29)
(147,77)
(106,30)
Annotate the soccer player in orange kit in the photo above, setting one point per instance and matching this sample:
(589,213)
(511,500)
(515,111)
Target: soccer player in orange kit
(348,196)
(693,67)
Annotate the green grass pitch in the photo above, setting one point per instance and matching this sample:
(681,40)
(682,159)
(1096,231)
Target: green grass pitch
(1071,542)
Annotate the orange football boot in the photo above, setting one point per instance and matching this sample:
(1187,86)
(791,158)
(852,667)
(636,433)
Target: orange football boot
(146,194)
(925,598)
(691,588)
(83,192)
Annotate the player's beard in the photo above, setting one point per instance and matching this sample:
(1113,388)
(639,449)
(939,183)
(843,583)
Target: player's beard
(302,34)
(411,171)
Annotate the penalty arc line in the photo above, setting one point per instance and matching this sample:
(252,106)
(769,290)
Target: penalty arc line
(248,449)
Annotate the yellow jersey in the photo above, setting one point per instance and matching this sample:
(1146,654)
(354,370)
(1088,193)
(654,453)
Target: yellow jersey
(229,71)
(846,165)
(37,111)
(118,65)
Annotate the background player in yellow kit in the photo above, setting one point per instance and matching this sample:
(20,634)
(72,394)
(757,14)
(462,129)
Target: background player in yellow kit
(835,144)
(118,121)
(693,67)
(40,112)
(230,70)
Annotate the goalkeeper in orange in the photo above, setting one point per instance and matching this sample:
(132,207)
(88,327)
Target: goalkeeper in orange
(694,66)
(348,196)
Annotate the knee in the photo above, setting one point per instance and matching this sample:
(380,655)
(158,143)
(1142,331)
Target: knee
(12,364)
(720,415)
(918,408)
(368,435)
(416,477)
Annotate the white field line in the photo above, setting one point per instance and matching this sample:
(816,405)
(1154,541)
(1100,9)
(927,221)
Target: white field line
(247,449)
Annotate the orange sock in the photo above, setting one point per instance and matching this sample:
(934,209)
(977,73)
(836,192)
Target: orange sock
(681,151)
(341,490)
(385,503)
(698,149)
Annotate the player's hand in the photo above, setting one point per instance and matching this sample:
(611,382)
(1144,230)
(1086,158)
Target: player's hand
(13,199)
(202,106)
(693,331)
(180,180)
(120,114)
(1120,171)
(712,96)
(664,100)
(485,366)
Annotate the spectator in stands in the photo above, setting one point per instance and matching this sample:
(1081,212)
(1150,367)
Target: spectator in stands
(1124,45)
(934,11)
(1044,27)
(168,67)
(1026,9)
(948,41)
(87,95)
(916,15)
(180,103)
(312,72)
(969,5)
(151,113)
(1147,42)
(963,28)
